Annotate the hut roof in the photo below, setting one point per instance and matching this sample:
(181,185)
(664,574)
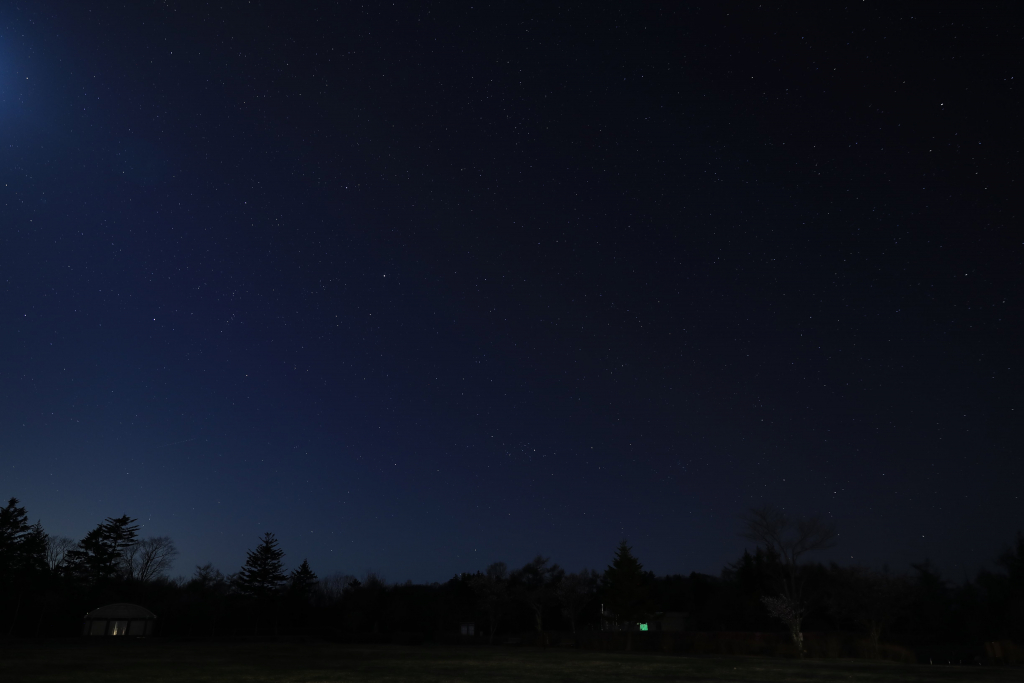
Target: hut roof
(120,610)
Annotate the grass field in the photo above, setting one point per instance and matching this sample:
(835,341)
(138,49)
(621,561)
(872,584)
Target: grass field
(155,662)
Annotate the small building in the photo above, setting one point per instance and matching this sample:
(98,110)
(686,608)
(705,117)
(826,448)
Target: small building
(120,619)
(467,628)
(669,621)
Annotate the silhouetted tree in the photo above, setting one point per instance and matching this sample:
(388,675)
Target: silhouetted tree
(626,590)
(302,587)
(262,580)
(331,588)
(302,582)
(22,556)
(14,527)
(207,577)
(575,592)
(100,556)
(57,549)
(32,561)
(788,540)
(931,605)
(492,593)
(208,589)
(263,573)
(535,584)
(872,599)
(150,558)
(22,546)
(371,594)
(1013,600)
(746,581)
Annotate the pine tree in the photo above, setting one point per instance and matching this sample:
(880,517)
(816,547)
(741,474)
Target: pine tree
(263,573)
(625,587)
(100,555)
(13,529)
(22,546)
(32,555)
(302,581)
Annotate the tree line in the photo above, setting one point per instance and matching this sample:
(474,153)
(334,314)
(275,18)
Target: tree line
(47,584)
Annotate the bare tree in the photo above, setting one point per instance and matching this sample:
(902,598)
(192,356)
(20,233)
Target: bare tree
(788,540)
(150,558)
(330,588)
(492,594)
(57,549)
(534,584)
(575,592)
(873,599)
(129,560)
(207,577)
(373,592)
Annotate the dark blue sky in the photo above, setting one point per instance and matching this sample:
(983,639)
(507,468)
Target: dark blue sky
(422,287)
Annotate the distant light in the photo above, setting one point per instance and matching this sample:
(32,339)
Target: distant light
(643,627)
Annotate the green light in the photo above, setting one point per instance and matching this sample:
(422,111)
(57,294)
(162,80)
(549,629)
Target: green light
(643,627)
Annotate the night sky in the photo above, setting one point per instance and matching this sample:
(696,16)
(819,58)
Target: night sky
(420,287)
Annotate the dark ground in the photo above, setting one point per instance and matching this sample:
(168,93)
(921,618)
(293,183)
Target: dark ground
(157,662)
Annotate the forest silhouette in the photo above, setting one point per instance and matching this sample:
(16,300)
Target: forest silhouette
(774,599)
